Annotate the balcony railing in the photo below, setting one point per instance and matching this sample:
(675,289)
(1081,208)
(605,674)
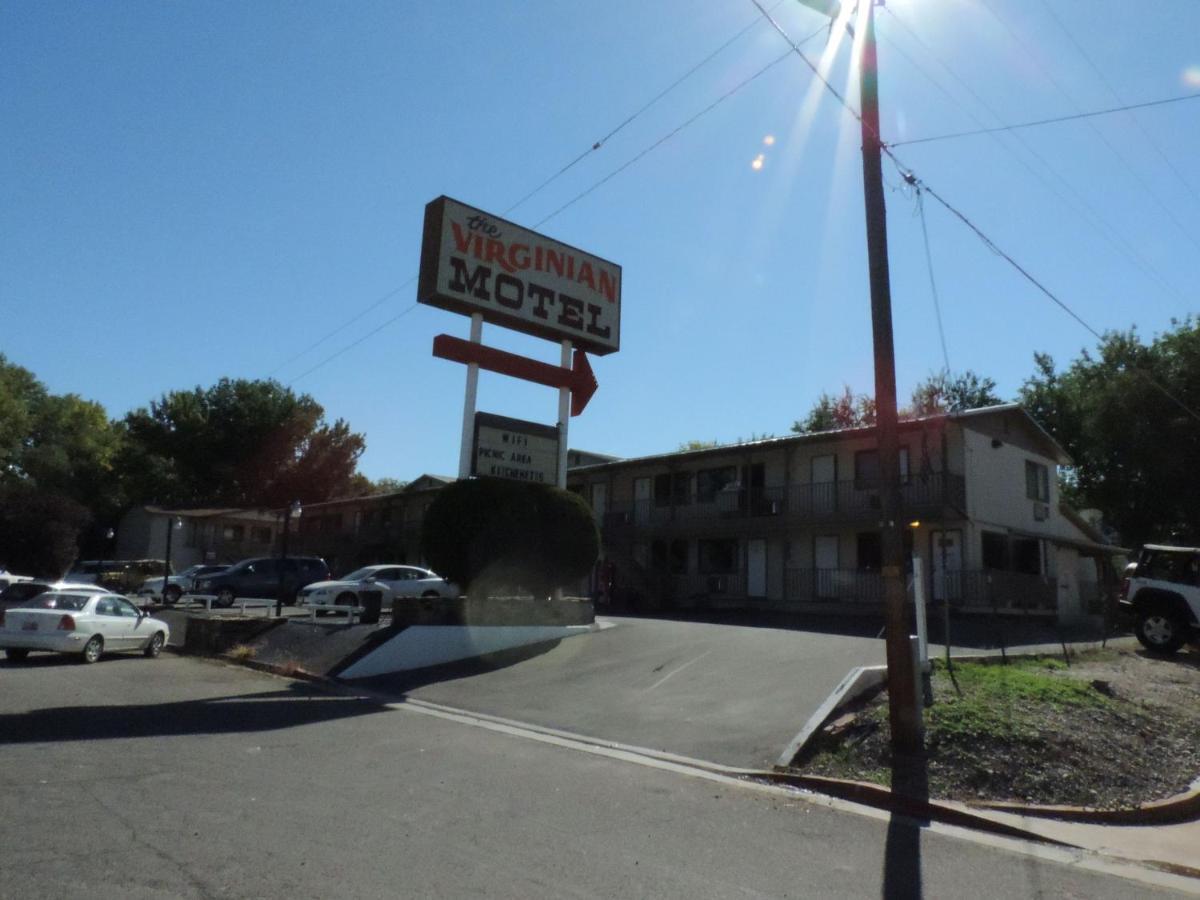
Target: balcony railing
(969,591)
(851,586)
(997,590)
(920,495)
(696,585)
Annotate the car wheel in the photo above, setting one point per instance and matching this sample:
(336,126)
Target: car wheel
(93,649)
(1161,630)
(171,594)
(16,654)
(225,597)
(155,646)
(347,599)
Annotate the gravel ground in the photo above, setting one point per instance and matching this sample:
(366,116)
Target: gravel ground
(1114,729)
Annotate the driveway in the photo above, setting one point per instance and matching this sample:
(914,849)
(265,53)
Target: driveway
(729,694)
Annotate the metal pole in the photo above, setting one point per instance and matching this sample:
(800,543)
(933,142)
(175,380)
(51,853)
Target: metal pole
(167,561)
(564,415)
(903,712)
(287,517)
(468,425)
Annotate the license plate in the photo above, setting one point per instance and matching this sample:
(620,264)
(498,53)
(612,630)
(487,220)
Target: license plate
(29,626)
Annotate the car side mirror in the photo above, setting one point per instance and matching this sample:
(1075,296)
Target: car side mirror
(370,579)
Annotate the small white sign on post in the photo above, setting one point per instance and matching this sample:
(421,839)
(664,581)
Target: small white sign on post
(515,449)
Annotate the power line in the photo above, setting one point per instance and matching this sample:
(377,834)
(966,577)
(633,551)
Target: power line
(1103,139)
(1054,298)
(666,137)
(937,305)
(596,146)
(1116,96)
(311,347)
(674,84)
(352,345)
(1080,205)
(662,140)
(911,177)
(1050,121)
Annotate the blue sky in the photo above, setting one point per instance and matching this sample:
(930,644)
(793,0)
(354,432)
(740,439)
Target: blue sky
(200,190)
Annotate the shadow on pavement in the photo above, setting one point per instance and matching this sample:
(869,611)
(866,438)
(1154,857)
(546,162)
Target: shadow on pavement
(399,683)
(297,705)
(902,877)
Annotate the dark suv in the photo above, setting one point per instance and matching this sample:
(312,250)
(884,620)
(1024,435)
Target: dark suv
(262,577)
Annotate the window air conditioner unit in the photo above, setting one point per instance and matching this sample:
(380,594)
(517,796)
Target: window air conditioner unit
(1041,512)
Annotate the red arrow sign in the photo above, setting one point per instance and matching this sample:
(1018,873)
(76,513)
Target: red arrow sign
(579,378)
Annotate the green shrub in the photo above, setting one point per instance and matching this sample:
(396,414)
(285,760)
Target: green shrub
(491,534)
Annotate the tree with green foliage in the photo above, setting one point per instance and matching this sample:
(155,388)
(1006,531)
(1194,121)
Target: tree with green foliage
(1130,418)
(39,530)
(491,534)
(943,392)
(830,413)
(689,446)
(238,443)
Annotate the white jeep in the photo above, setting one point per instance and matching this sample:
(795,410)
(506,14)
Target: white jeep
(1162,591)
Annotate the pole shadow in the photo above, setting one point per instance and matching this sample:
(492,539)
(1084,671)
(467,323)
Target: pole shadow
(902,872)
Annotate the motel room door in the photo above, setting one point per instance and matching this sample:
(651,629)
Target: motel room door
(946,552)
(756,568)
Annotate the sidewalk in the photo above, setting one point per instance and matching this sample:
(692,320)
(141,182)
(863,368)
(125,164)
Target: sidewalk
(1175,848)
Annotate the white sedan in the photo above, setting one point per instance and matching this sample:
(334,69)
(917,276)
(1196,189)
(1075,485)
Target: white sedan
(393,580)
(85,622)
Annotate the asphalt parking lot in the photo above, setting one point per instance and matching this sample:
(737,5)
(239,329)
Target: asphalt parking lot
(139,779)
(734,695)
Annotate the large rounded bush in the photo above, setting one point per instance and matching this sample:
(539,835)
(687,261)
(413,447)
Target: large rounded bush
(491,534)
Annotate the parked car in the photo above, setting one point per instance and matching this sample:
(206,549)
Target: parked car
(262,577)
(1162,592)
(392,580)
(89,622)
(18,593)
(177,585)
(7,578)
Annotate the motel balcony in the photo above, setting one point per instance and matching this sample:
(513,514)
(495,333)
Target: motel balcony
(929,495)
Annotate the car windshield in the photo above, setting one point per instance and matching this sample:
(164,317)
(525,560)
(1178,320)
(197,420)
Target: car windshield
(361,574)
(70,602)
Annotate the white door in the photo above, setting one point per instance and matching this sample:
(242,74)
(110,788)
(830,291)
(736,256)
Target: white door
(825,562)
(756,569)
(599,502)
(946,550)
(1067,574)
(115,618)
(824,483)
(641,500)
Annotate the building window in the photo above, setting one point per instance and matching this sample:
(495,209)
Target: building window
(233,533)
(260,534)
(1037,481)
(870,551)
(670,557)
(995,550)
(1027,556)
(710,482)
(717,557)
(671,488)
(867,473)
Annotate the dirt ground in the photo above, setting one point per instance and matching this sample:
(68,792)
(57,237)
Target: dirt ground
(1114,728)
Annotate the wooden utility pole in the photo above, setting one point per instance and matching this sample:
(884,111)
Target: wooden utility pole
(903,711)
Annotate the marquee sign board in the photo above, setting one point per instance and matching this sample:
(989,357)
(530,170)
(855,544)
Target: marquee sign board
(474,262)
(511,448)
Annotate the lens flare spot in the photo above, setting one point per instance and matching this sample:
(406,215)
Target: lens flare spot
(769,140)
(758,162)
(1191,76)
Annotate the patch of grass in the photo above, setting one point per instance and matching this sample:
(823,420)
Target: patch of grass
(242,652)
(997,700)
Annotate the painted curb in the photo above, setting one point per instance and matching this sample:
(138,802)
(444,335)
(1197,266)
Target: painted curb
(860,680)
(1183,807)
